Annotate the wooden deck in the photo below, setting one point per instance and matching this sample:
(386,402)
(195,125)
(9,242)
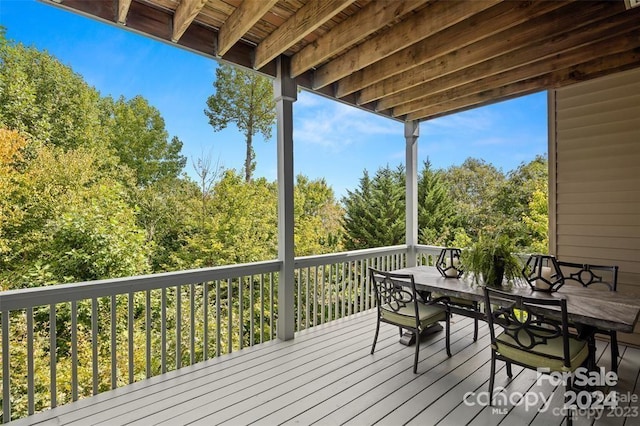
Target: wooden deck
(326,376)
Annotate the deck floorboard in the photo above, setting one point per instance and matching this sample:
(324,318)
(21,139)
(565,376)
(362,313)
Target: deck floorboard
(327,376)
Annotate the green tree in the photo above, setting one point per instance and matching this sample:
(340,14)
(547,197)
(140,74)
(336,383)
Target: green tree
(536,222)
(45,100)
(375,211)
(167,210)
(317,218)
(137,135)
(524,195)
(246,99)
(474,187)
(74,222)
(11,158)
(437,215)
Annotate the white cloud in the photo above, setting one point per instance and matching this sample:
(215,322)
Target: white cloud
(335,126)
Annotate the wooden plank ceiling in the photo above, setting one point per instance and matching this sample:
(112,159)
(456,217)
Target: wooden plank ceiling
(404,59)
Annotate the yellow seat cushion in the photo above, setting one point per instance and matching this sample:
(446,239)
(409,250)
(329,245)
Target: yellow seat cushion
(538,356)
(405,317)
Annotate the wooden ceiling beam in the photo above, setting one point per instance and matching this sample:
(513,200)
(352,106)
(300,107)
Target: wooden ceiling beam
(123,10)
(312,15)
(575,74)
(478,27)
(375,16)
(240,21)
(623,51)
(455,72)
(186,12)
(434,17)
(527,33)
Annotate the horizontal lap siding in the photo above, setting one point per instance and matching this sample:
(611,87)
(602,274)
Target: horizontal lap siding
(596,176)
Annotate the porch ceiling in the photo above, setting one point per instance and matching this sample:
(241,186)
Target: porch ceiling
(409,59)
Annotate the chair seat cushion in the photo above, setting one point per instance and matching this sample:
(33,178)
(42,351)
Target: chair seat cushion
(539,355)
(405,316)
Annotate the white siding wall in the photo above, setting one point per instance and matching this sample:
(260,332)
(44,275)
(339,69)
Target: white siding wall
(594,157)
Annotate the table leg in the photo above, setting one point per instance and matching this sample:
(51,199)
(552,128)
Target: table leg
(409,339)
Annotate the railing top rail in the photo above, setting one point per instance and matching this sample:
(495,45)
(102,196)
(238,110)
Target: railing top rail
(348,256)
(39,296)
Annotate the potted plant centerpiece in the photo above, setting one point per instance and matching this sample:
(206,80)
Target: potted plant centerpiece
(490,260)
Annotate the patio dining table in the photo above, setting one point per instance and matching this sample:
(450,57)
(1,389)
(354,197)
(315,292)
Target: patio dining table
(607,311)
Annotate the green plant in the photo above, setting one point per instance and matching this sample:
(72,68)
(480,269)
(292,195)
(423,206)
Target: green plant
(491,259)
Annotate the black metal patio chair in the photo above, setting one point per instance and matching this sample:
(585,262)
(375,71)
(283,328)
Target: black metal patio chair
(397,304)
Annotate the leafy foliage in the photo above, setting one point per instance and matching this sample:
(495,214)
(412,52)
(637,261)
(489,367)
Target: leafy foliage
(491,258)
(375,212)
(137,136)
(45,100)
(437,215)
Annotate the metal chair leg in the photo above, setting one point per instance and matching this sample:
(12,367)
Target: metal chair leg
(375,338)
(415,359)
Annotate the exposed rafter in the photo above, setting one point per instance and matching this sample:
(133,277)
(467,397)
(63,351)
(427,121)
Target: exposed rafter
(123,10)
(435,17)
(492,21)
(370,19)
(619,55)
(307,19)
(546,50)
(526,34)
(185,14)
(240,21)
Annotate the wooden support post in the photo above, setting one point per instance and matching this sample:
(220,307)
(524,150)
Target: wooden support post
(285,92)
(411,133)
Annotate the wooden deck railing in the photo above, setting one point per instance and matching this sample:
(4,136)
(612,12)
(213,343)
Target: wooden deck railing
(63,342)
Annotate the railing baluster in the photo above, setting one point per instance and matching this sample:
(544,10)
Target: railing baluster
(218,320)
(346,279)
(329,287)
(343,298)
(315,296)
(251,319)
(163,331)
(74,350)
(261,308)
(6,361)
(178,300)
(323,292)
(272,301)
(30,363)
(114,365)
(241,310)
(192,325)
(298,280)
(230,314)
(94,344)
(147,321)
(307,298)
(53,351)
(130,332)
(205,315)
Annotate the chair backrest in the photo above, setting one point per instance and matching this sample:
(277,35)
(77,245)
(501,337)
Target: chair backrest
(525,320)
(592,276)
(393,291)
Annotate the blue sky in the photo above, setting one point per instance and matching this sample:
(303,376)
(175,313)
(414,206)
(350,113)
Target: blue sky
(332,140)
